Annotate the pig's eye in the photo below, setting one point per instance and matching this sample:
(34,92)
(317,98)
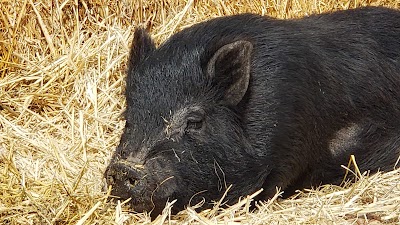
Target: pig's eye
(194,123)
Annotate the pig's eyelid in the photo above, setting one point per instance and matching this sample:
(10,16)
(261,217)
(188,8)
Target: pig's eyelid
(194,122)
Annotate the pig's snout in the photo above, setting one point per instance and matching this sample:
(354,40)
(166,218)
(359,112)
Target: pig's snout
(122,175)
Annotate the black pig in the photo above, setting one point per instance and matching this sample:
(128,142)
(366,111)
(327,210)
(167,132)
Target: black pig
(256,102)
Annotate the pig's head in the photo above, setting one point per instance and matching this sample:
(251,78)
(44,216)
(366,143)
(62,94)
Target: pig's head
(184,136)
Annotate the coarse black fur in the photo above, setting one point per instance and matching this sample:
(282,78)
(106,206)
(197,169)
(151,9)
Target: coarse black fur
(256,102)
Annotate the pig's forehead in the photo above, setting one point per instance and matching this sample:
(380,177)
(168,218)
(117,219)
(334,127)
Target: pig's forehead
(160,95)
(167,80)
(178,75)
(178,63)
(171,83)
(151,112)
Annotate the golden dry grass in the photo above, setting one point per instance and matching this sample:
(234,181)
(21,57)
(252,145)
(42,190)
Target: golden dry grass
(62,70)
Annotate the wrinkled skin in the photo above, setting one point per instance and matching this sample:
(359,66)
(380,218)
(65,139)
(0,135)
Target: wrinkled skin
(256,102)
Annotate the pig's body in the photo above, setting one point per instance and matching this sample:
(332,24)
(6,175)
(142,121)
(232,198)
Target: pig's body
(256,102)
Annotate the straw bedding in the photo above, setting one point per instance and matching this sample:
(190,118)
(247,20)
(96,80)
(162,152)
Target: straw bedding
(62,69)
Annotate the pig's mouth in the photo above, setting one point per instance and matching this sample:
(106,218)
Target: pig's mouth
(149,192)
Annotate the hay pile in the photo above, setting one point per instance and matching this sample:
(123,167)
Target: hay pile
(62,70)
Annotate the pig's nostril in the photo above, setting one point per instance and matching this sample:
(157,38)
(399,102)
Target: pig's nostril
(110,180)
(131,182)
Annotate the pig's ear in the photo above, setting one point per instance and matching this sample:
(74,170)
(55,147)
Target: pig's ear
(142,45)
(229,68)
